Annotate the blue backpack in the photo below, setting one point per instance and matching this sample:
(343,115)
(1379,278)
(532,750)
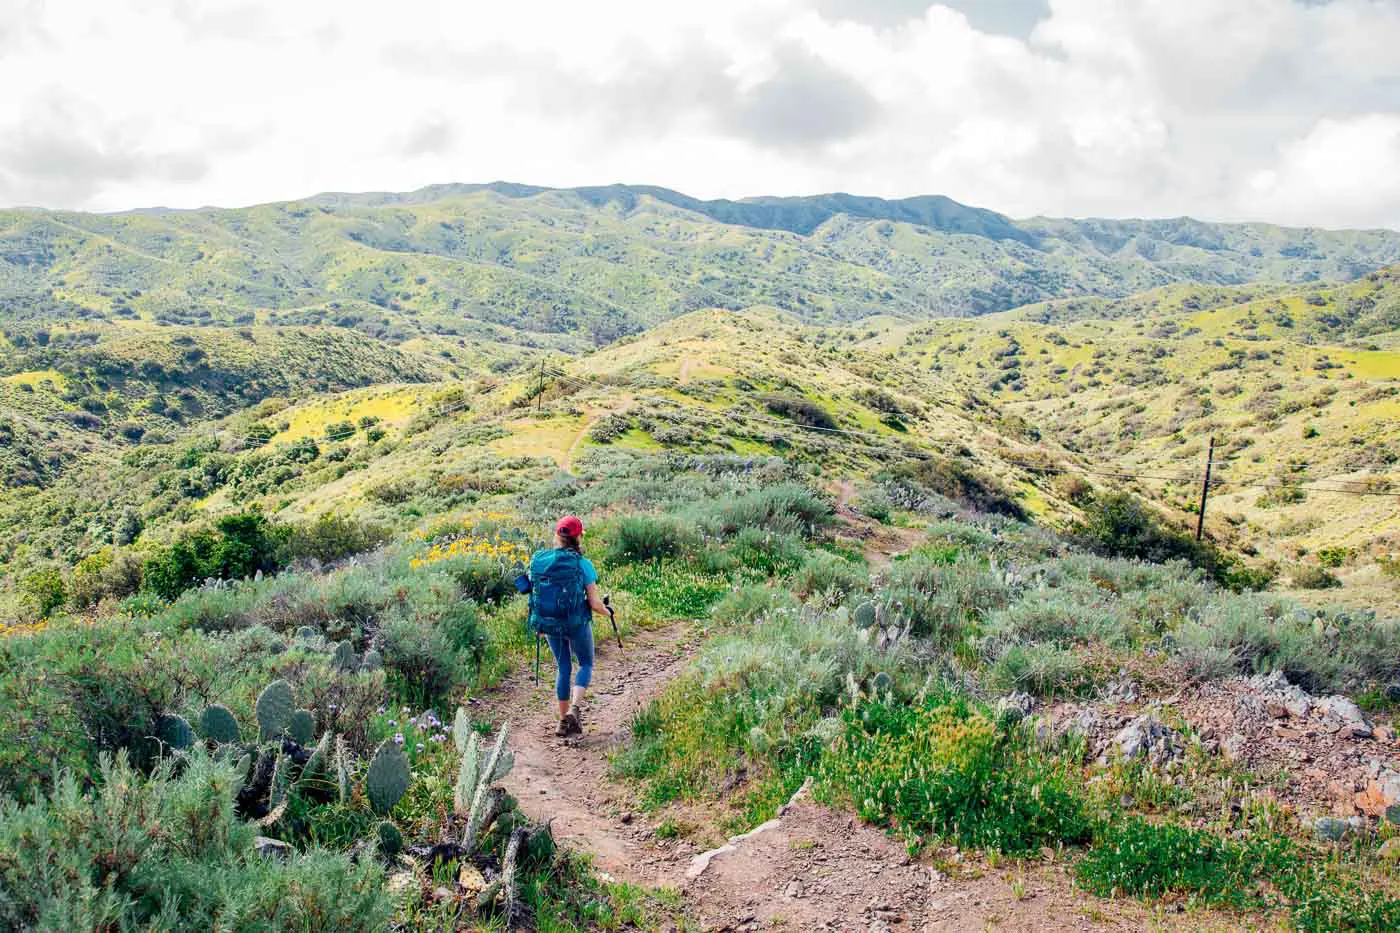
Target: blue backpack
(558,595)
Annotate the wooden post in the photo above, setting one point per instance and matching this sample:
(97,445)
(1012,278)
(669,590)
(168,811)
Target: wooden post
(539,396)
(1205,492)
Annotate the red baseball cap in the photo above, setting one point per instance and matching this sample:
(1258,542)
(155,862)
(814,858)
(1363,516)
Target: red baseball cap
(569,525)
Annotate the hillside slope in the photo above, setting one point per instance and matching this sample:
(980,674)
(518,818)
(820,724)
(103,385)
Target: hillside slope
(576,268)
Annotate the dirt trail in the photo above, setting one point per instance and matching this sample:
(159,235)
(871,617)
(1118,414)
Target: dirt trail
(566,781)
(812,868)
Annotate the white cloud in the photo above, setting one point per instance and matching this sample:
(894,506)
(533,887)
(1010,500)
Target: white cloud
(1252,109)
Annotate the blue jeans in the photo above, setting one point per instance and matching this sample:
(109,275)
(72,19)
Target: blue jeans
(581,641)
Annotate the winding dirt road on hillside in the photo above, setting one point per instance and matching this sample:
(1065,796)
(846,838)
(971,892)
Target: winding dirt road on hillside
(811,868)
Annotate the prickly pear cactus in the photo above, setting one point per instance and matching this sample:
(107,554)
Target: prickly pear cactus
(342,770)
(390,839)
(218,725)
(882,682)
(864,615)
(302,728)
(243,766)
(468,773)
(307,633)
(373,661)
(318,766)
(175,731)
(345,658)
(274,708)
(462,730)
(388,777)
(281,781)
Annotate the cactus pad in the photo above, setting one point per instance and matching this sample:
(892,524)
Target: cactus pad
(281,781)
(390,839)
(275,707)
(388,777)
(219,725)
(345,658)
(342,770)
(864,615)
(467,773)
(302,728)
(319,764)
(882,682)
(462,730)
(373,660)
(175,731)
(307,633)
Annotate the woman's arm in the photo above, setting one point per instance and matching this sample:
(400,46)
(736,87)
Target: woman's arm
(595,602)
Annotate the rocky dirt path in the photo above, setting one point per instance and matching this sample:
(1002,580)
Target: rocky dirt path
(810,868)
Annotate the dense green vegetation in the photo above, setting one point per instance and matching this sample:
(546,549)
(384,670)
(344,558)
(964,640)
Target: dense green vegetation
(266,477)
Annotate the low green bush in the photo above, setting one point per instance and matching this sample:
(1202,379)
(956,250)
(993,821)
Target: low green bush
(747,603)
(783,507)
(1044,670)
(331,537)
(107,859)
(940,601)
(1143,859)
(941,770)
(238,546)
(1309,577)
(956,481)
(828,574)
(639,538)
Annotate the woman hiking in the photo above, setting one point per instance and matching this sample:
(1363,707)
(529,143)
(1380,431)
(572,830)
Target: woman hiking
(563,598)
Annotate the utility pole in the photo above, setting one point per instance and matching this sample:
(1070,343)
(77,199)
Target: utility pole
(1205,491)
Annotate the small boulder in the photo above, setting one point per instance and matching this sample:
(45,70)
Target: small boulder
(1015,706)
(272,848)
(1330,829)
(1390,850)
(1148,737)
(1234,747)
(1343,716)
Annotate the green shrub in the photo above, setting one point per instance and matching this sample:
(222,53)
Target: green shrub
(829,575)
(422,663)
(1120,525)
(1333,557)
(800,410)
(942,601)
(1045,670)
(940,770)
(638,538)
(43,590)
(106,859)
(1263,633)
(1309,577)
(1063,618)
(109,572)
(958,482)
(782,507)
(768,552)
(238,546)
(331,537)
(747,603)
(1153,860)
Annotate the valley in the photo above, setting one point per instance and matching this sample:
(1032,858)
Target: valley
(896,500)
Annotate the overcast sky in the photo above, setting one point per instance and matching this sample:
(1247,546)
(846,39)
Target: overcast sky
(1279,110)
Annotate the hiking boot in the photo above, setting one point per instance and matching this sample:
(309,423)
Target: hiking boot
(570,725)
(563,730)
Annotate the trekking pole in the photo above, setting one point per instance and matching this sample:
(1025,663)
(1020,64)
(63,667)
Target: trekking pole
(537,659)
(612,617)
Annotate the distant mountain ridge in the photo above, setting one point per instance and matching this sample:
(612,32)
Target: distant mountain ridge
(579,267)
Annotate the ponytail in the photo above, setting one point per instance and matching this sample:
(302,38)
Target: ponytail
(569,542)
